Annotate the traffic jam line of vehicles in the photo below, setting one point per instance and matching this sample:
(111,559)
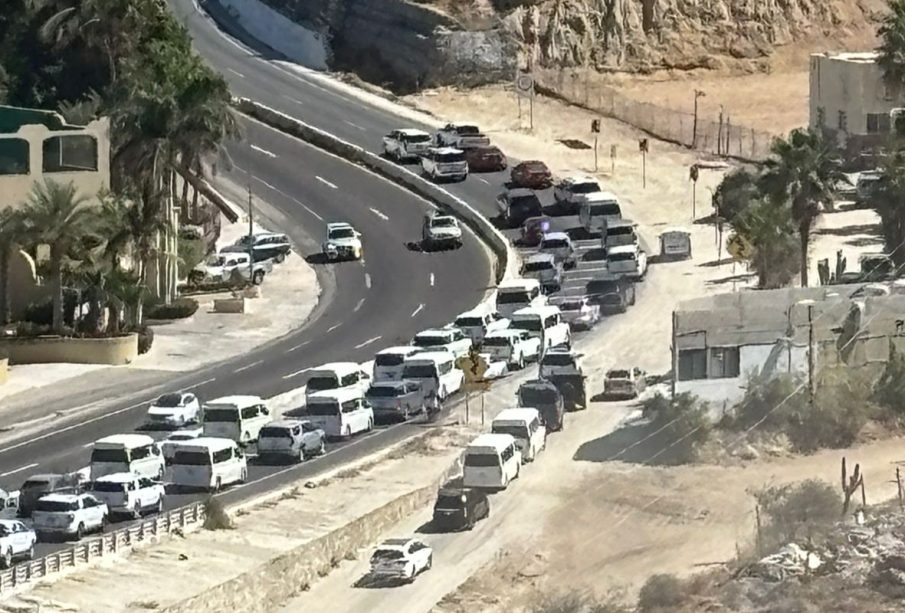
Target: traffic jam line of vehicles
(532,320)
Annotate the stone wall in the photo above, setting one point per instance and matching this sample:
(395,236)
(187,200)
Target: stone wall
(115,351)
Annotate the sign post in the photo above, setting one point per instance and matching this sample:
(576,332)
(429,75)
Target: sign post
(693,174)
(595,128)
(643,147)
(524,88)
(612,160)
(251,243)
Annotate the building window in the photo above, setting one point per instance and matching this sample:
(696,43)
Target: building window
(724,362)
(821,117)
(14,156)
(843,121)
(877,123)
(74,153)
(692,364)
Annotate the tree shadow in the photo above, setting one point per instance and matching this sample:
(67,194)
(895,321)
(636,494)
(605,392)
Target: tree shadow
(715,263)
(638,442)
(867,228)
(739,278)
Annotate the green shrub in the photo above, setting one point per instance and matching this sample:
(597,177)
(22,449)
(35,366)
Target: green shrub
(683,421)
(29,329)
(889,392)
(797,512)
(191,253)
(145,338)
(178,309)
(215,516)
(42,312)
(661,593)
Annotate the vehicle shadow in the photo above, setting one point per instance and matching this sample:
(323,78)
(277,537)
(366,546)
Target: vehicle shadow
(369,582)
(638,442)
(316,258)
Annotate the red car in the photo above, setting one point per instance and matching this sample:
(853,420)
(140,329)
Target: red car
(485,159)
(533,174)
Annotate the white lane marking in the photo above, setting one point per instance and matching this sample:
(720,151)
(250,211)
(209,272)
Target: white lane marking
(269,154)
(418,310)
(299,346)
(325,182)
(354,125)
(20,469)
(296,373)
(333,327)
(483,180)
(432,279)
(285,195)
(247,366)
(257,178)
(368,342)
(358,306)
(86,445)
(236,72)
(296,100)
(379,214)
(367,281)
(197,385)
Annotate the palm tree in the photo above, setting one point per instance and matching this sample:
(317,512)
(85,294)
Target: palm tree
(803,172)
(58,216)
(888,198)
(10,238)
(891,52)
(767,226)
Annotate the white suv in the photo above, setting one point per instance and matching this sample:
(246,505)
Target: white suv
(17,541)
(441,231)
(445,163)
(343,242)
(70,515)
(128,494)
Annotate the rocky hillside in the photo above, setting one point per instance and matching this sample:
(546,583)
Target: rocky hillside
(409,44)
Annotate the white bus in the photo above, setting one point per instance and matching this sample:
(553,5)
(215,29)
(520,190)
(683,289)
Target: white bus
(126,453)
(340,412)
(526,428)
(491,461)
(238,418)
(208,464)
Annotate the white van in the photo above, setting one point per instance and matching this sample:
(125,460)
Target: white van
(627,260)
(491,461)
(436,371)
(478,323)
(388,362)
(340,412)
(336,376)
(516,294)
(525,427)
(126,453)
(597,210)
(238,418)
(546,323)
(207,463)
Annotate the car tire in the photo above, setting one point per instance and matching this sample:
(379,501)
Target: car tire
(246,438)
(302,455)
(348,432)
(443,394)
(430,562)
(257,278)
(160,506)
(79,532)
(323,448)
(218,485)
(370,425)
(31,552)
(7,560)
(243,476)
(279,258)
(136,510)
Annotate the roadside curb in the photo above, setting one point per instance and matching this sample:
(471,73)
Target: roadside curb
(507,259)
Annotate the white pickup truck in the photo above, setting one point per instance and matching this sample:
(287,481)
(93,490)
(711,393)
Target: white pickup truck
(406,144)
(515,347)
(229,268)
(129,494)
(70,515)
(461,136)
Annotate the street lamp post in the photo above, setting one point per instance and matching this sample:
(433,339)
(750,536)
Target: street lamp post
(694,130)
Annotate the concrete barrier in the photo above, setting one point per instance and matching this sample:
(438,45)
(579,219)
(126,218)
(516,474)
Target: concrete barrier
(272,583)
(115,351)
(229,305)
(4,370)
(507,259)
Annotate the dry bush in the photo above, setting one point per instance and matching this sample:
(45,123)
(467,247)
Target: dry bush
(683,421)
(797,512)
(661,593)
(570,602)
(215,516)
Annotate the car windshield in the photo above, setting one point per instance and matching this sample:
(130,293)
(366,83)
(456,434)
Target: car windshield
(342,233)
(481,459)
(388,359)
(271,432)
(448,158)
(618,374)
(538,266)
(585,188)
(602,287)
(221,415)
(416,138)
(532,396)
(558,359)
(169,400)
(216,260)
(570,305)
(487,153)
(554,243)
(116,456)
(607,209)
(36,484)
(387,555)
(449,502)
(443,222)
(620,231)
(56,506)
(323,409)
(181,437)
(322,382)
(470,322)
(418,371)
(622,257)
(464,130)
(429,340)
(517,297)
(192,458)
(532,325)
(496,341)
(108,486)
(515,431)
(384,391)
(526,203)
(535,167)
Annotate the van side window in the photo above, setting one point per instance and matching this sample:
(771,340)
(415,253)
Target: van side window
(534,293)
(141,452)
(550,321)
(224,455)
(444,367)
(506,454)
(532,427)
(350,379)
(349,406)
(249,412)
(296,431)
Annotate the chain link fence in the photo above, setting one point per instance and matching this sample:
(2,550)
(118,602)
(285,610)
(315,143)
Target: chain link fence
(716,137)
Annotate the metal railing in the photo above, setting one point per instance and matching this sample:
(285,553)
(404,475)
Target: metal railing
(98,547)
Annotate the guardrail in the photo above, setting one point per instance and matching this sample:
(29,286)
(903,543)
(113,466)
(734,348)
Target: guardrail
(98,547)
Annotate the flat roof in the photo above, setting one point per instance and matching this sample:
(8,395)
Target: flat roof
(337,367)
(861,57)
(126,440)
(494,441)
(340,394)
(12,118)
(239,401)
(516,413)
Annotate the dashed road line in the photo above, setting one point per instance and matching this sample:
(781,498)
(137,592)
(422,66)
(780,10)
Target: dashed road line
(257,178)
(483,180)
(334,327)
(236,72)
(368,342)
(296,373)
(296,100)
(379,214)
(325,182)
(269,154)
(367,281)
(285,195)
(432,279)
(247,366)
(20,469)
(418,310)
(358,306)
(299,346)
(354,125)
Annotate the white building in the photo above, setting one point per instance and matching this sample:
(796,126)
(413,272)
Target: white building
(848,96)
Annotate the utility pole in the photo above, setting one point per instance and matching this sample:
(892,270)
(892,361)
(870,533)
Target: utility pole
(694,130)
(811,356)
(251,243)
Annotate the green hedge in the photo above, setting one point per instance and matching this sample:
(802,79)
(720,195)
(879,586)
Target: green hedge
(178,309)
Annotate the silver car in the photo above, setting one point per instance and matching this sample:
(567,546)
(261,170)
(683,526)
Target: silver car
(290,440)
(395,400)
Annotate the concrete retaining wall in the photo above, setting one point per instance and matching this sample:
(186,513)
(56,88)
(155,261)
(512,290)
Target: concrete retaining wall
(507,263)
(47,349)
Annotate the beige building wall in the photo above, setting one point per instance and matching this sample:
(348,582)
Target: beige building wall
(15,188)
